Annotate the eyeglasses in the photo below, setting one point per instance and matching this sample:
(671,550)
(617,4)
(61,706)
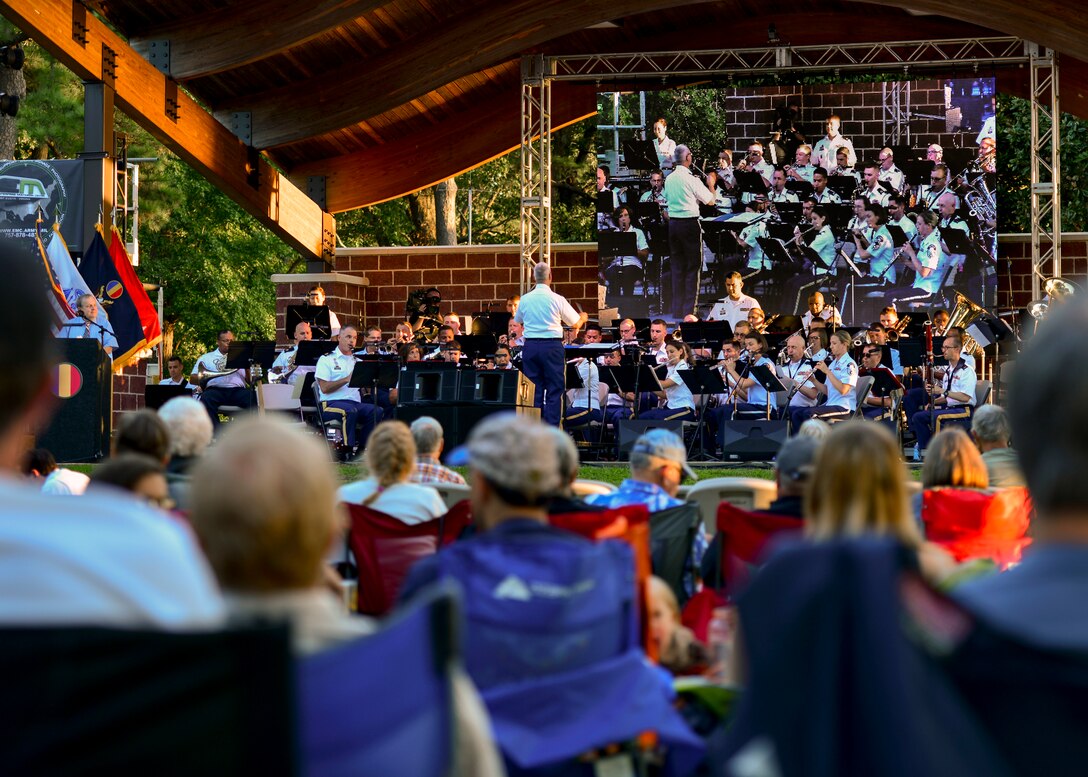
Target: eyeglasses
(869,353)
(936,178)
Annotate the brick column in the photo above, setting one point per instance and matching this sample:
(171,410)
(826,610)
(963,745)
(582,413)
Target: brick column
(344,294)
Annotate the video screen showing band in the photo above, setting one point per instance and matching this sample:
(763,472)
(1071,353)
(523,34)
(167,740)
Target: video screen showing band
(871,194)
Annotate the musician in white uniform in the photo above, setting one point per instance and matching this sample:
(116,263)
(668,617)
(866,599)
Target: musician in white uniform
(735,305)
(337,399)
(285,368)
(232,389)
(840,378)
(953,398)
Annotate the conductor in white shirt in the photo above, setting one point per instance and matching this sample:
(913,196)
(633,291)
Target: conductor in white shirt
(543,313)
(684,192)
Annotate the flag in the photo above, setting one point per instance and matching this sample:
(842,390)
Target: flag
(70,281)
(62,311)
(111,277)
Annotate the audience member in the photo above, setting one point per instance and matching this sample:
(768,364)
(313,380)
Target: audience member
(564,500)
(659,463)
(1042,599)
(428,436)
(136,473)
(190,432)
(264,507)
(143,431)
(40,465)
(953,461)
(816,428)
(858,488)
(111,561)
(677,648)
(390,459)
(990,429)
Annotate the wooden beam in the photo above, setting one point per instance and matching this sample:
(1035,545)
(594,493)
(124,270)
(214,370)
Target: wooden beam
(482,134)
(243,33)
(360,90)
(94,52)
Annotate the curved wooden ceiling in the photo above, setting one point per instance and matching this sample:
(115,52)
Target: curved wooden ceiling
(383,97)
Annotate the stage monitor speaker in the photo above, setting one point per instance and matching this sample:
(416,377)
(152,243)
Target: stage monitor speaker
(751,440)
(630,431)
(457,418)
(428,382)
(83,385)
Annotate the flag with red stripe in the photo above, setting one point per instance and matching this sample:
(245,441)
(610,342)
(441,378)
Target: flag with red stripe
(62,311)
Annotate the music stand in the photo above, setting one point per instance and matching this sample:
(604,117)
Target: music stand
(789,212)
(884,382)
(243,354)
(704,332)
(574,380)
(843,185)
(374,372)
(915,171)
(613,244)
(477,346)
(156,395)
(775,250)
(750,182)
(606,202)
(899,237)
(702,381)
(956,241)
(647,212)
(640,155)
(767,378)
(911,352)
(309,351)
(317,316)
(803,189)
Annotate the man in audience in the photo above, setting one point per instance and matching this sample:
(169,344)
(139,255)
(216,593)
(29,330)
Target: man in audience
(1042,600)
(427,433)
(565,500)
(40,465)
(111,562)
(659,463)
(990,428)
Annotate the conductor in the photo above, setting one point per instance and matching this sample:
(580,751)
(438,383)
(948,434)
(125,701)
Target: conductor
(543,313)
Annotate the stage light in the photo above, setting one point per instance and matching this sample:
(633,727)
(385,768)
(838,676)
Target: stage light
(9,105)
(12,57)
(772,34)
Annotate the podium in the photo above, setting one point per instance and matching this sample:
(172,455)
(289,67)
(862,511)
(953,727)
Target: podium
(82,383)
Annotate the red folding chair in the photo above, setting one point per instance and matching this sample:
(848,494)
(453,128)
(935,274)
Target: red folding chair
(385,548)
(454,521)
(630,523)
(744,535)
(973,524)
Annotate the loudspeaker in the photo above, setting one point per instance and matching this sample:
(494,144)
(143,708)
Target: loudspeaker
(457,418)
(630,431)
(428,382)
(751,440)
(80,428)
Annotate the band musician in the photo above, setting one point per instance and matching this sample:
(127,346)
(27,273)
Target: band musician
(223,387)
(337,399)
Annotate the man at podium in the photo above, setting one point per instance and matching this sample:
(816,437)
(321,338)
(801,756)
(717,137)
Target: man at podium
(90,322)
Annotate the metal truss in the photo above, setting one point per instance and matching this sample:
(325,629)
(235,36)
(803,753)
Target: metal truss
(774,59)
(536,165)
(1046,172)
(896,113)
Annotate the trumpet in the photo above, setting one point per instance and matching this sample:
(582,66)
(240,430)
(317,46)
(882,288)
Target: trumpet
(895,332)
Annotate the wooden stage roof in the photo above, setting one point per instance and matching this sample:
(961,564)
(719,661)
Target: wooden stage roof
(384,98)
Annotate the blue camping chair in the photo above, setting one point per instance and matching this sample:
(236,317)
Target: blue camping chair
(552,641)
(383,704)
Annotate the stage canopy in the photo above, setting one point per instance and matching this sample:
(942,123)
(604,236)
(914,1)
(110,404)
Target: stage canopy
(299,110)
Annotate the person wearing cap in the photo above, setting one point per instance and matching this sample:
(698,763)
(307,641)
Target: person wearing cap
(543,313)
(659,463)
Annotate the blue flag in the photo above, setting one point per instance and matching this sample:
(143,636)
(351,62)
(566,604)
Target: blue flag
(122,297)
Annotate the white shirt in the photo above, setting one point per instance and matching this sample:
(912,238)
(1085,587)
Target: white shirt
(797,372)
(877,195)
(588,395)
(640,245)
(666,150)
(826,314)
(297,374)
(893,175)
(684,192)
(678,396)
(961,380)
(826,150)
(216,361)
(783,196)
(732,310)
(805,171)
(658,352)
(846,370)
(101,560)
(63,481)
(172,382)
(757,394)
(408,502)
(334,366)
(543,312)
(750,235)
(827,197)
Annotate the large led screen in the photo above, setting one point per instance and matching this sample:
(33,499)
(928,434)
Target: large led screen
(872,194)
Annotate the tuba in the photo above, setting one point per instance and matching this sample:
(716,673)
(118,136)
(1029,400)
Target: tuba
(963,315)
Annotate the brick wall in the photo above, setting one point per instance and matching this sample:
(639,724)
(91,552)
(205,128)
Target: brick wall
(469,277)
(861,107)
(344,293)
(1017,248)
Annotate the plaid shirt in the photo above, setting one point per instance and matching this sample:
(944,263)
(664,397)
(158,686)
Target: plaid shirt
(428,470)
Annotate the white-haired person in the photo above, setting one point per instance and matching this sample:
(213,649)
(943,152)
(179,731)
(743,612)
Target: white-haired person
(191,433)
(991,432)
(265,510)
(430,439)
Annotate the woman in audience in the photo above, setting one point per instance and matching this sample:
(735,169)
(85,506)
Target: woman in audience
(137,473)
(143,431)
(952,460)
(190,431)
(859,488)
(390,459)
(263,504)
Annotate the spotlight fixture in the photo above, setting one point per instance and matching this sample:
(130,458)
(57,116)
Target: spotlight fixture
(9,105)
(12,57)
(772,34)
